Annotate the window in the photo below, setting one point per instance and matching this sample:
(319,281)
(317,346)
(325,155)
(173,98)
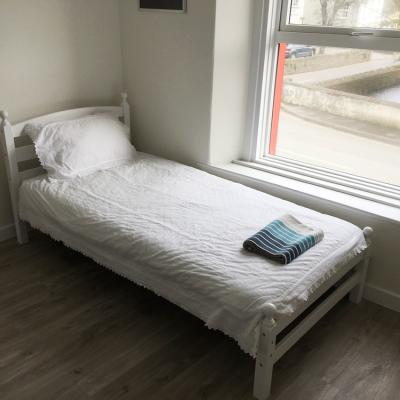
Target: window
(375,14)
(344,12)
(328,94)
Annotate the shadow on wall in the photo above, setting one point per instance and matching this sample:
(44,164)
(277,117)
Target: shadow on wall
(57,55)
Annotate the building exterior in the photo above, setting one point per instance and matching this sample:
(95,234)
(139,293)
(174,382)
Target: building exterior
(356,13)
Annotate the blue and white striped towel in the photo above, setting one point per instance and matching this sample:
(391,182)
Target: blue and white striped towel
(283,240)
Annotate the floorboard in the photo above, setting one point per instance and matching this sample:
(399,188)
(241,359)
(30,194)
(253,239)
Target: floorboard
(72,330)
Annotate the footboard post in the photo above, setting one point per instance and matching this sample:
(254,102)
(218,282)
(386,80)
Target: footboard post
(265,355)
(356,294)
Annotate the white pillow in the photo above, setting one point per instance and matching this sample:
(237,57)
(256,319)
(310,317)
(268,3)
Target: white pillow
(33,129)
(79,147)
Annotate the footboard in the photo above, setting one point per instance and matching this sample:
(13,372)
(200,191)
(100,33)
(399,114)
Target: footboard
(349,280)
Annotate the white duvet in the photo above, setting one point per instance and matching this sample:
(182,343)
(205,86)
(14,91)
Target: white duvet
(179,232)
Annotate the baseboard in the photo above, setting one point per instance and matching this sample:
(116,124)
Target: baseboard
(382,297)
(7,232)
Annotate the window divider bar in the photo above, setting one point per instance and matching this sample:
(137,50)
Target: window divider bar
(382,199)
(339,40)
(286,26)
(334,180)
(267,56)
(278,160)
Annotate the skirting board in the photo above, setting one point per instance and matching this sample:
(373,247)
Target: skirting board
(382,297)
(7,232)
(372,293)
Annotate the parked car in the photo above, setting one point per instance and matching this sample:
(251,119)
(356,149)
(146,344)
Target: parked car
(298,51)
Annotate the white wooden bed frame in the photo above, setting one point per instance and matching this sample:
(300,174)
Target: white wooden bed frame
(349,279)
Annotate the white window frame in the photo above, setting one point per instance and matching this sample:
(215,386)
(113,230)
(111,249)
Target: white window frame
(371,33)
(271,28)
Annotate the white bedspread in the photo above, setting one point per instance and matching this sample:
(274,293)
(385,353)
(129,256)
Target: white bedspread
(179,232)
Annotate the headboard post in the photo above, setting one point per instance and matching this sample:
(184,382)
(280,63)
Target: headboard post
(14,155)
(8,145)
(126,110)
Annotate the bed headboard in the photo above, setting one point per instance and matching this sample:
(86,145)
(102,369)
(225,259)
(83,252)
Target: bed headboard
(15,155)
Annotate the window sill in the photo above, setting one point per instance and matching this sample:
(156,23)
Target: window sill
(245,172)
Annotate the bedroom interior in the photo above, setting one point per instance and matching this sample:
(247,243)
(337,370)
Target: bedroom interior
(205,318)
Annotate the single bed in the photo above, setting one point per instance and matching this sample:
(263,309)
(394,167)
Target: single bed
(178,231)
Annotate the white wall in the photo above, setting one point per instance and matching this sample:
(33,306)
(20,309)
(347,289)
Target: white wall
(187,78)
(56,54)
(232,54)
(168,65)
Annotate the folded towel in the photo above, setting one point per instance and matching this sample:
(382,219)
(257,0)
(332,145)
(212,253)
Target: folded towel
(283,240)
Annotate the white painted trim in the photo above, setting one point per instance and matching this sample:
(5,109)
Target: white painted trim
(340,182)
(262,81)
(14,180)
(269,351)
(337,40)
(366,34)
(382,297)
(267,182)
(311,319)
(262,24)
(7,232)
(293,165)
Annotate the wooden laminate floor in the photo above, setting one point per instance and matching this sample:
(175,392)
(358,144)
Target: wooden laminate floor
(72,330)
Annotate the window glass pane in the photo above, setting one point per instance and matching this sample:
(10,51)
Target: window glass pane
(379,14)
(339,108)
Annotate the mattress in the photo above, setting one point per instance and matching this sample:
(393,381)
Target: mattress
(179,231)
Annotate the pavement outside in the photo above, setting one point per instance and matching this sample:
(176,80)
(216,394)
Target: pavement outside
(333,147)
(339,143)
(355,127)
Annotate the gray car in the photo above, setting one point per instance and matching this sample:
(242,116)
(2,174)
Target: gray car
(298,51)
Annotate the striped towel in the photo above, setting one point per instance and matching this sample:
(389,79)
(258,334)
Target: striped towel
(283,240)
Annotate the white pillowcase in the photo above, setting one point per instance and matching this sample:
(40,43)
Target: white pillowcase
(79,147)
(33,129)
